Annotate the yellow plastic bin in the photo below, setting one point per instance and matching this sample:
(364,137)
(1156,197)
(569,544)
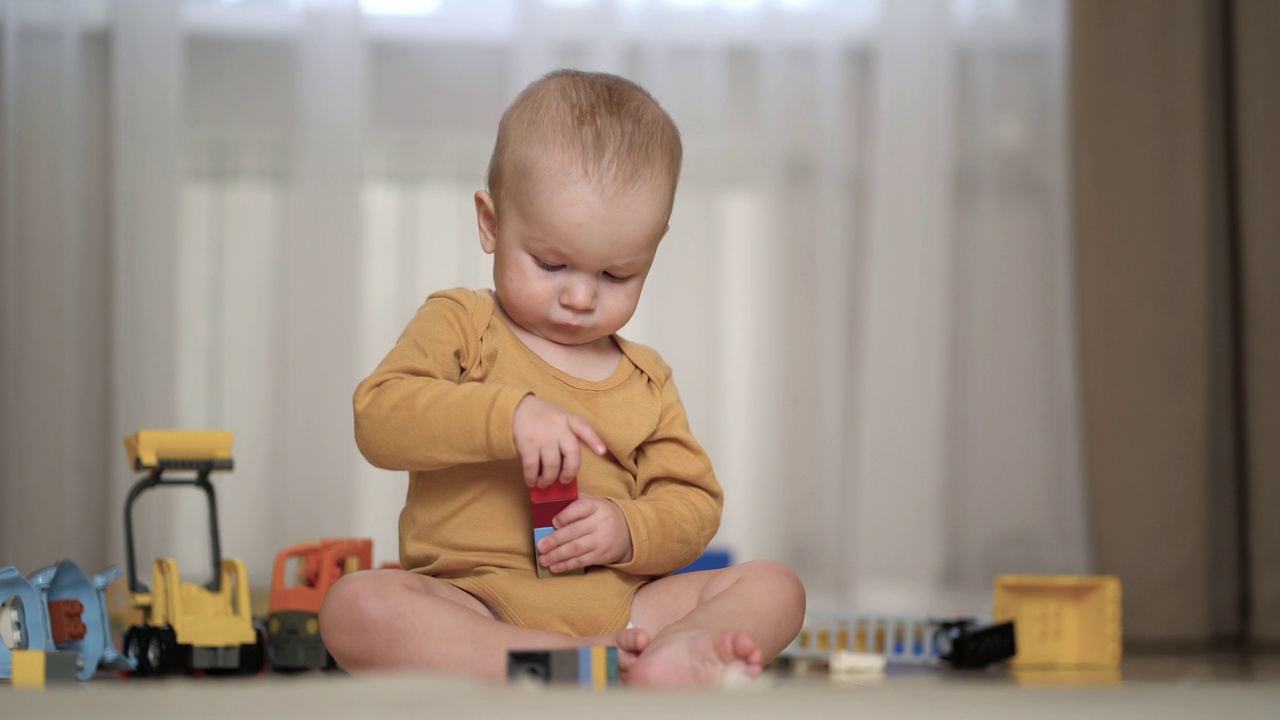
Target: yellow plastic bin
(1062,621)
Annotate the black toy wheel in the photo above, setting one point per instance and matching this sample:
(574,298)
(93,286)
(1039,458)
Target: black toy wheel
(135,648)
(162,651)
(253,657)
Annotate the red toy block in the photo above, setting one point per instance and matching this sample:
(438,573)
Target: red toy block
(543,512)
(65,620)
(549,501)
(555,491)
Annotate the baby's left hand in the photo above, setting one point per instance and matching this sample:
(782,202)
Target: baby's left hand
(591,531)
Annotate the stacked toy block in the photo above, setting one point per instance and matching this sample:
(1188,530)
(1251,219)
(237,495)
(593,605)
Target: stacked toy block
(588,667)
(547,503)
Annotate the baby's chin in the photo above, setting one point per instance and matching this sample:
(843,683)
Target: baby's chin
(575,339)
(573,336)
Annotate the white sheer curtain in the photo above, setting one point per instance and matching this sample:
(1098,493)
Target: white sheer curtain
(221,214)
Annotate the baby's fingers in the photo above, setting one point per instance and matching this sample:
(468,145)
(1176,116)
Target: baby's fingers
(531,464)
(586,434)
(577,510)
(570,459)
(550,466)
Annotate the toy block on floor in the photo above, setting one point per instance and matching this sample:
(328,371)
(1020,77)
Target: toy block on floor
(901,639)
(34,669)
(971,647)
(588,667)
(1062,621)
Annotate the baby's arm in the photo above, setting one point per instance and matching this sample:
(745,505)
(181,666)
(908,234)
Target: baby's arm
(677,511)
(667,526)
(415,413)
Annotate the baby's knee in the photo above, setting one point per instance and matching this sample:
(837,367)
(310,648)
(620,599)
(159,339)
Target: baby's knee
(781,579)
(348,608)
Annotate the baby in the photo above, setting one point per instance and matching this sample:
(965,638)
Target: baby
(490,393)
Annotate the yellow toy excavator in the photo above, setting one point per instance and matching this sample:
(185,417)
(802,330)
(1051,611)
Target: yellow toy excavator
(187,626)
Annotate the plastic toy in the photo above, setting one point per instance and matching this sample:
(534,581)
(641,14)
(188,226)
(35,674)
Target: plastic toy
(546,503)
(1063,621)
(188,626)
(962,644)
(58,609)
(846,663)
(33,669)
(900,639)
(711,559)
(588,667)
(302,576)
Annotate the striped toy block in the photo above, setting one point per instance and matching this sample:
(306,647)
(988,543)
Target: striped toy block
(588,667)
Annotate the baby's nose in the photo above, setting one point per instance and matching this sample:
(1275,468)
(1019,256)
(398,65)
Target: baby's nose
(579,294)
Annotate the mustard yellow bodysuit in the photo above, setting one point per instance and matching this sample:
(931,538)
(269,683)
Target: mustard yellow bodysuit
(440,405)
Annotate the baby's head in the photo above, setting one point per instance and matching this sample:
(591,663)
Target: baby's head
(581,185)
(604,128)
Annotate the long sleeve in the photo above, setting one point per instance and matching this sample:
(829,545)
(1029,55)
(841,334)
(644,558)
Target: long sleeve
(678,504)
(417,412)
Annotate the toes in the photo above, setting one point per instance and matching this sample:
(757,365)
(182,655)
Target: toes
(737,646)
(634,640)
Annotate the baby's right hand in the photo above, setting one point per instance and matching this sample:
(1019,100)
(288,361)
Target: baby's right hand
(547,440)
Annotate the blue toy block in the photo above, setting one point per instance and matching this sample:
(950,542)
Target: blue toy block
(544,571)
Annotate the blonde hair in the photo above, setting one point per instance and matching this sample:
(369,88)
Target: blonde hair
(615,130)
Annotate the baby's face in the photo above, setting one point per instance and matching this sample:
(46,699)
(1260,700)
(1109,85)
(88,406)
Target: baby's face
(570,261)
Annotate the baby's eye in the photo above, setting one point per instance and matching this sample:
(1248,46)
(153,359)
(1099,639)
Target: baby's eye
(616,278)
(549,267)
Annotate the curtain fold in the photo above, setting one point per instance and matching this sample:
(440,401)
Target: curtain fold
(865,293)
(1177,251)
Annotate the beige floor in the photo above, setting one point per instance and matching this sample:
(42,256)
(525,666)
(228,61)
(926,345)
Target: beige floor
(1148,687)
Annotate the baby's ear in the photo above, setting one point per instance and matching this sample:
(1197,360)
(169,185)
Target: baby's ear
(487,221)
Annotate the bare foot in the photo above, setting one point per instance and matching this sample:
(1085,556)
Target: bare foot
(630,643)
(696,657)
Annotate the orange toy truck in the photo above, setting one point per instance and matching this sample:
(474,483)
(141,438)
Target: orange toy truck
(302,576)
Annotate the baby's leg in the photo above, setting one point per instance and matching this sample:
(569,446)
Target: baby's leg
(706,623)
(397,619)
